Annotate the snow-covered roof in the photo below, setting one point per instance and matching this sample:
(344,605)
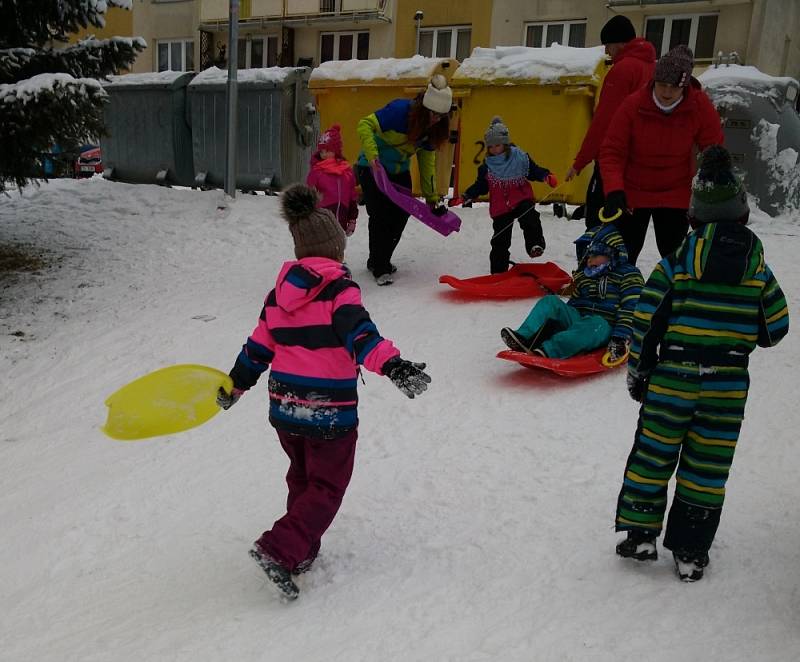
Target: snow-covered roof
(512,64)
(217,76)
(385,68)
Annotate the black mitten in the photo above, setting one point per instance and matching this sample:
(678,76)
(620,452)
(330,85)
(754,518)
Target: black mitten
(615,202)
(438,210)
(617,349)
(227,400)
(409,377)
(637,386)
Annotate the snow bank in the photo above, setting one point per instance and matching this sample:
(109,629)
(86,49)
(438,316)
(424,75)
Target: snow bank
(217,76)
(387,68)
(520,63)
(736,85)
(30,89)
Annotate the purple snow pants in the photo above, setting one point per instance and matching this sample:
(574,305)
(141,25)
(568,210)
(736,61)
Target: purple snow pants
(319,472)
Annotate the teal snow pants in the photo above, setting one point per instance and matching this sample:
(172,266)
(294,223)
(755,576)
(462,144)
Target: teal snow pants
(574,333)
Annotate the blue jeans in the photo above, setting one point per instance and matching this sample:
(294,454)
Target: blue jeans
(575,333)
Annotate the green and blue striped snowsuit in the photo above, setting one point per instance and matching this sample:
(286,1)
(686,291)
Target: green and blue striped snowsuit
(701,313)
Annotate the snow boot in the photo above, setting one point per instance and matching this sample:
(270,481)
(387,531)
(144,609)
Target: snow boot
(690,567)
(304,566)
(639,545)
(384,279)
(280,577)
(514,341)
(392,268)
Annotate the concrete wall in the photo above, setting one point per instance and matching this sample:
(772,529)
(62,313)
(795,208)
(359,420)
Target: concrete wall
(441,13)
(774,45)
(164,20)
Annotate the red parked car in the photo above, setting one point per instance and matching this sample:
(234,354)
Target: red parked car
(89,161)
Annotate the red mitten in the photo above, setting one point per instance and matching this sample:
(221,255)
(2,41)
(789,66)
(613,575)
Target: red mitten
(551,180)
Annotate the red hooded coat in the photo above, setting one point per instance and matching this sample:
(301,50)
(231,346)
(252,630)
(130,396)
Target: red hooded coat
(632,70)
(651,155)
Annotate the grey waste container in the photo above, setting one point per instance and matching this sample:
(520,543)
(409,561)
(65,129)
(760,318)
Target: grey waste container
(276,127)
(149,140)
(762,131)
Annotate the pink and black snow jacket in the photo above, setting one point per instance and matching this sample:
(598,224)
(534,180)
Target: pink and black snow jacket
(314,333)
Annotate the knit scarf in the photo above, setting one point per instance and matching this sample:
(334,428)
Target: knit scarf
(332,166)
(511,169)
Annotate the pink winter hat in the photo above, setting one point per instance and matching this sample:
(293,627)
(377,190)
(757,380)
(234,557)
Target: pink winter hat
(331,140)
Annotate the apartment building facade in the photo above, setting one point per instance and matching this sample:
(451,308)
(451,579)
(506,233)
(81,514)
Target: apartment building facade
(193,34)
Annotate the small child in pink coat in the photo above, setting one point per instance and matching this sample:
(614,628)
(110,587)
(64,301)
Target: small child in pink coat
(332,175)
(313,335)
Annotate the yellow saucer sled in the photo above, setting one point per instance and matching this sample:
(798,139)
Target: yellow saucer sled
(166,401)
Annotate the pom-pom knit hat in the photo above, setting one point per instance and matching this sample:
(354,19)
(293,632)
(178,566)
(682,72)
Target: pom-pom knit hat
(717,194)
(331,140)
(497,133)
(675,67)
(438,97)
(315,231)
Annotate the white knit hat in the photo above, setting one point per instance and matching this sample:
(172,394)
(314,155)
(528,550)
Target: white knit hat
(438,97)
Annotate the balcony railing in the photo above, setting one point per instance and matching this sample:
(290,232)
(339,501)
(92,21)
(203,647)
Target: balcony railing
(214,13)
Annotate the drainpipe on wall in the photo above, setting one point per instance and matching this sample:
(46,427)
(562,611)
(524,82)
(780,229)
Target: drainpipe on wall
(231,94)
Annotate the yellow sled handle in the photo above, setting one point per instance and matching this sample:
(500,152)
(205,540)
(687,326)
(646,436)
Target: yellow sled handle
(608,219)
(608,363)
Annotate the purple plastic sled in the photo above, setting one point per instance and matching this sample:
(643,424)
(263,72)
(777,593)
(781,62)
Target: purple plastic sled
(403,198)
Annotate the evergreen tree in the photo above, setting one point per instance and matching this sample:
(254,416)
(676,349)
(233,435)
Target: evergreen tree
(49,92)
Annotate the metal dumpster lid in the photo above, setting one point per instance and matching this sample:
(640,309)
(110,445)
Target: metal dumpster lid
(266,77)
(171,80)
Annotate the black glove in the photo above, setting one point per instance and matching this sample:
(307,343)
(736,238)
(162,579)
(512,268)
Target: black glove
(227,400)
(615,201)
(407,376)
(637,386)
(438,210)
(617,349)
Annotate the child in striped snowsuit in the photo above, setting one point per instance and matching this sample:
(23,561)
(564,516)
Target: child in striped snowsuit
(314,333)
(701,313)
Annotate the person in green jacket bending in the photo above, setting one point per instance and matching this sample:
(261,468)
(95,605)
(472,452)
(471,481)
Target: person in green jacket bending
(390,137)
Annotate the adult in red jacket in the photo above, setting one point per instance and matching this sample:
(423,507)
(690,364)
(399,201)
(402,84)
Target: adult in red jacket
(634,59)
(648,156)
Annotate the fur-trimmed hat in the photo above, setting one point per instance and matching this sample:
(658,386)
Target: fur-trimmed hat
(717,194)
(617,30)
(438,97)
(497,133)
(331,140)
(315,230)
(675,67)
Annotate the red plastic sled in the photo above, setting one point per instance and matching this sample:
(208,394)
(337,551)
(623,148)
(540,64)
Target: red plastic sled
(575,366)
(522,280)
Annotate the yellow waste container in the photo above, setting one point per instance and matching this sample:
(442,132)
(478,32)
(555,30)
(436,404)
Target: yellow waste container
(346,91)
(546,97)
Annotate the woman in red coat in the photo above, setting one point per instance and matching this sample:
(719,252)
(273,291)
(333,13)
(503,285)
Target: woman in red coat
(648,156)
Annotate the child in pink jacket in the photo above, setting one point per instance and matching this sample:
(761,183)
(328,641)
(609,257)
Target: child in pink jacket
(332,175)
(313,333)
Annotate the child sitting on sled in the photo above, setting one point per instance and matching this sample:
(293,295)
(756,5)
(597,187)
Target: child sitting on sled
(504,175)
(332,175)
(599,311)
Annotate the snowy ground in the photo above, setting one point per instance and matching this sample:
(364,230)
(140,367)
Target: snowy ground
(478,525)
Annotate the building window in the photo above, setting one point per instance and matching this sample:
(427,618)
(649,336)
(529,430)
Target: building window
(175,55)
(257,52)
(566,33)
(451,42)
(697,31)
(343,46)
